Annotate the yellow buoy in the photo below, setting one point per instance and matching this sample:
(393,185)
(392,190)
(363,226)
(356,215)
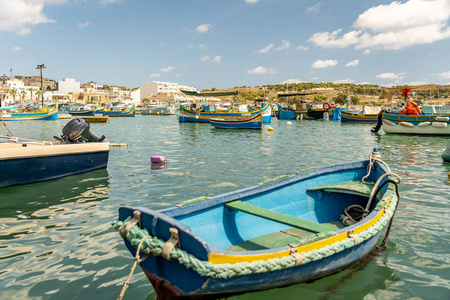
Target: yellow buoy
(157,112)
(269,129)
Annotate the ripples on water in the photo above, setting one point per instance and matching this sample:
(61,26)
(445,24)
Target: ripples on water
(56,241)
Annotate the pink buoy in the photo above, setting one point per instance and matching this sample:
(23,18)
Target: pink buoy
(158,159)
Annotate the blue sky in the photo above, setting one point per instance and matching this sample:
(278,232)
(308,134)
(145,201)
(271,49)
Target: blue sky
(228,43)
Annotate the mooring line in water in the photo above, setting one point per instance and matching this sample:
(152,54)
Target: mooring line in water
(137,260)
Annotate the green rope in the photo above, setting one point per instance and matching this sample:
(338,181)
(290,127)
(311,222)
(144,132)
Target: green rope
(153,246)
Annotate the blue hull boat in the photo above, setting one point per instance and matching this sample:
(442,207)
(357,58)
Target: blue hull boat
(191,115)
(24,161)
(284,231)
(254,122)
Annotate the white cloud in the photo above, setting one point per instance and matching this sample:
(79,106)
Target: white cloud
(85,24)
(155,75)
(285,44)
(205,58)
(314,8)
(444,75)
(265,49)
(352,63)
(217,59)
(262,70)
(331,40)
(251,1)
(289,81)
(417,83)
(14,50)
(203,28)
(367,52)
(393,26)
(320,64)
(168,69)
(400,75)
(201,46)
(301,48)
(18,15)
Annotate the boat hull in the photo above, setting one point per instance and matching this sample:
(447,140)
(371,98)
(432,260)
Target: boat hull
(209,231)
(49,115)
(358,118)
(127,113)
(416,124)
(82,113)
(250,123)
(36,163)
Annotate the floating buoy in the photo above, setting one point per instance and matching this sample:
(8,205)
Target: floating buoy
(157,112)
(269,129)
(158,159)
(424,124)
(289,122)
(118,145)
(196,116)
(326,116)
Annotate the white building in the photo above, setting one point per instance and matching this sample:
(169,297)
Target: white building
(68,85)
(152,89)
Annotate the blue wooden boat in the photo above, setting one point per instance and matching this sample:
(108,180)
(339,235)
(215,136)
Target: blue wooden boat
(47,113)
(281,232)
(352,117)
(254,122)
(85,113)
(199,116)
(129,112)
(24,161)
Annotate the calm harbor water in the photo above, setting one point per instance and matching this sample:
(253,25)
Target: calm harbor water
(56,241)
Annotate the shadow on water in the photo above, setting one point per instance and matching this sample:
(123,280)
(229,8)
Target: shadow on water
(23,201)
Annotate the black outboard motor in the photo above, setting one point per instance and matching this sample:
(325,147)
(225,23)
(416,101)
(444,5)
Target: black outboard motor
(77,131)
(379,123)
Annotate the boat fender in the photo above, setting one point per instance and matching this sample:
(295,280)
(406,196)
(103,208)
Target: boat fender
(442,119)
(406,124)
(439,124)
(424,124)
(388,122)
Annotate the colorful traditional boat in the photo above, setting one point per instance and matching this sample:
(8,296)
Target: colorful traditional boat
(317,113)
(159,110)
(416,124)
(254,122)
(193,115)
(47,113)
(284,231)
(77,113)
(120,112)
(25,161)
(366,115)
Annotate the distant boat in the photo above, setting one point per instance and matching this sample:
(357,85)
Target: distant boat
(82,112)
(254,122)
(47,113)
(25,161)
(284,231)
(366,115)
(161,110)
(417,124)
(295,108)
(317,113)
(120,112)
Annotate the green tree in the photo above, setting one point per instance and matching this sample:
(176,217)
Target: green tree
(31,93)
(14,93)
